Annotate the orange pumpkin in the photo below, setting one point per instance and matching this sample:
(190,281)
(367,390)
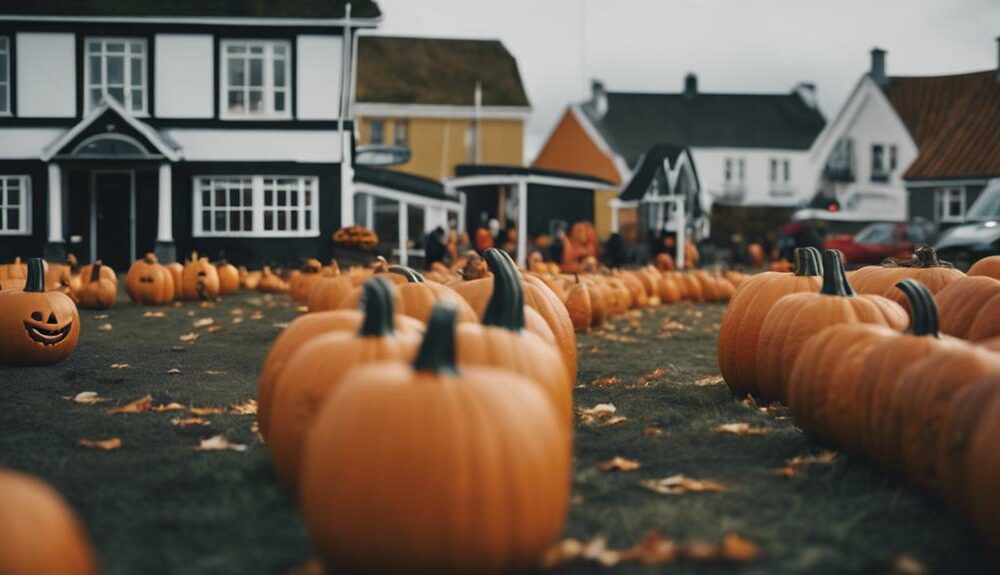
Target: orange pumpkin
(38,327)
(271,282)
(970,308)
(483,447)
(105,272)
(149,283)
(988,266)
(924,267)
(96,291)
(176,270)
(578,305)
(199,280)
(327,293)
(229,277)
(39,533)
(415,296)
(310,272)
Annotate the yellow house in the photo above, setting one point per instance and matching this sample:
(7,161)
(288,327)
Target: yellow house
(448,101)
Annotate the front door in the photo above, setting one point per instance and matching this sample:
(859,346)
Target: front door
(112,237)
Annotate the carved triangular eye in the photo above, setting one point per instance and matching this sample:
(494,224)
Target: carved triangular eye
(36,315)
(52,318)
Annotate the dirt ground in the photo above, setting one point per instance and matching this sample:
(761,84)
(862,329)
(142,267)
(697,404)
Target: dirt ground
(157,505)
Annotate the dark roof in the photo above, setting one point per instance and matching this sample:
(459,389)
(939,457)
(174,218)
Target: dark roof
(635,121)
(463,170)
(650,166)
(233,8)
(400,181)
(437,71)
(954,120)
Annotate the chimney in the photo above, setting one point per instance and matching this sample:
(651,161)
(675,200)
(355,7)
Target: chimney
(598,98)
(877,71)
(806,91)
(690,85)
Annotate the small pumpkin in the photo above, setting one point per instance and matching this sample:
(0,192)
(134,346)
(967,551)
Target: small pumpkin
(310,272)
(38,327)
(327,293)
(988,266)
(229,277)
(149,283)
(471,441)
(199,280)
(96,291)
(578,305)
(271,282)
(176,270)
(105,272)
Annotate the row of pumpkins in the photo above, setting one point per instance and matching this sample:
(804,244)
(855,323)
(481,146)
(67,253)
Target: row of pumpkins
(465,391)
(923,403)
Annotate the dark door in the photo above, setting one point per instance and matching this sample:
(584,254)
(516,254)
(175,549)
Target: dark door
(113,222)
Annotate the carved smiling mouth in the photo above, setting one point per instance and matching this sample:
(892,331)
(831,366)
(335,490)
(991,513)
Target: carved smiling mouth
(46,336)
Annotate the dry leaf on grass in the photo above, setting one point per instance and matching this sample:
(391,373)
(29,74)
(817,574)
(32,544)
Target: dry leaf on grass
(203,322)
(189,337)
(205,410)
(86,398)
(101,444)
(189,421)
(101,316)
(739,429)
(172,406)
(257,315)
(173,371)
(595,349)
(219,443)
(236,311)
(154,314)
(120,366)
(613,420)
(248,407)
(709,380)
(606,381)
(653,549)
(798,465)
(647,378)
(596,414)
(280,325)
(907,564)
(238,319)
(140,405)
(213,372)
(105,327)
(214,328)
(617,463)
(680,484)
(736,548)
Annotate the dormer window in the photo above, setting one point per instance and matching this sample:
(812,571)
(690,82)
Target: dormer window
(880,173)
(256,79)
(116,68)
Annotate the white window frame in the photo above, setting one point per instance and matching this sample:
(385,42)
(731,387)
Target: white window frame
(268,87)
(5,82)
(24,206)
(786,166)
(944,197)
(401,127)
(257,184)
(128,104)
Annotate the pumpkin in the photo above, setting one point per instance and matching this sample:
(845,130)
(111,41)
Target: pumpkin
(314,371)
(69,285)
(740,327)
(149,283)
(54,273)
(271,282)
(970,308)
(668,290)
(176,270)
(578,305)
(105,272)
(327,293)
(415,296)
(13,275)
(300,331)
(502,341)
(39,534)
(482,451)
(199,280)
(664,262)
(988,266)
(924,267)
(310,272)
(96,290)
(477,292)
(796,317)
(229,277)
(38,327)
(639,296)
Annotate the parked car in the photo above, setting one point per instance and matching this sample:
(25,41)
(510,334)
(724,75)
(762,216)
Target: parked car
(979,236)
(878,241)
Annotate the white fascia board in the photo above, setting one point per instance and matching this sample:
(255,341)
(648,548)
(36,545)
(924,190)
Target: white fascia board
(210,20)
(486,180)
(379,110)
(401,196)
(946,183)
(110,103)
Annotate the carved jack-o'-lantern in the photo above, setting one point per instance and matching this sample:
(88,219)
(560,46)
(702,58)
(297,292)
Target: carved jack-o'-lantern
(200,279)
(36,327)
(149,283)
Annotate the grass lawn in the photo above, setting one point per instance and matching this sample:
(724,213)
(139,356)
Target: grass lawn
(156,505)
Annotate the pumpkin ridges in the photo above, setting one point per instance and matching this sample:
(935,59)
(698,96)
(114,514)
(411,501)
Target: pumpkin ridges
(982,471)
(961,303)
(988,266)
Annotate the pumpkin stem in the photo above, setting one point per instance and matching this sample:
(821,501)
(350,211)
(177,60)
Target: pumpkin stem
(377,304)
(36,276)
(95,271)
(834,278)
(412,276)
(807,262)
(437,352)
(506,305)
(149,258)
(923,306)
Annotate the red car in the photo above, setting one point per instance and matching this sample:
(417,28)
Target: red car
(878,241)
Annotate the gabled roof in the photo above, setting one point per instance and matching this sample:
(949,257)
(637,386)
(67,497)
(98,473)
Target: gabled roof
(437,71)
(955,121)
(107,115)
(651,166)
(636,121)
(400,181)
(220,8)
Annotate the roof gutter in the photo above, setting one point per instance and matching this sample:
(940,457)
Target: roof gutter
(206,20)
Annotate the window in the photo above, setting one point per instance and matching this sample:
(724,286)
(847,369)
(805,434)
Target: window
(4,76)
(14,202)
(774,170)
(951,205)
(787,171)
(729,170)
(116,68)
(262,206)
(892,158)
(400,133)
(471,145)
(743,170)
(376,132)
(879,173)
(256,78)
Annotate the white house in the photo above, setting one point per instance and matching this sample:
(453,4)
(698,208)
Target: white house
(125,129)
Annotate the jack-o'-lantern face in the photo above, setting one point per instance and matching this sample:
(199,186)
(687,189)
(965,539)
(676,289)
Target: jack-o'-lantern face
(47,330)
(147,279)
(149,283)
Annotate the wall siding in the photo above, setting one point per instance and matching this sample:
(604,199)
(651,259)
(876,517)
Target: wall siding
(46,75)
(184,70)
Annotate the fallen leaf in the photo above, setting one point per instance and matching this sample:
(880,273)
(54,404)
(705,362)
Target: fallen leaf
(189,337)
(86,398)
(154,314)
(280,325)
(709,380)
(255,429)
(173,371)
(120,365)
(907,564)
(302,309)
(646,379)
(619,464)
(599,411)
(236,311)
(653,549)
(101,316)
(214,328)
(105,327)
(597,550)
(699,551)
(102,444)
(798,465)
(562,553)
(736,548)
(614,420)
(213,372)
(740,429)
(595,349)
(680,484)
(140,405)
(257,315)
(238,319)
(219,443)
(653,431)
(248,407)
(205,410)
(189,421)
(172,406)
(606,381)
(203,322)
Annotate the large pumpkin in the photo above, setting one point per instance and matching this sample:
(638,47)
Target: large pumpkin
(149,283)
(229,277)
(314,371)
(988,266)
(740,327)
(39,534)
(96,291)
(415,296)
(199,280)
(924,267)
(310,272)
(297,334)
(578,305)
(796,317)
(37,327)
(482,452)
(970,308)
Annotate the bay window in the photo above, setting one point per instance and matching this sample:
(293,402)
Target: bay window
(116,68)
(256,79)
(256,206)
(15,200)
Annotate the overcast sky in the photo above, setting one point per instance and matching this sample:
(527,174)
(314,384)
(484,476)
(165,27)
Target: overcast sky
(733,45)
